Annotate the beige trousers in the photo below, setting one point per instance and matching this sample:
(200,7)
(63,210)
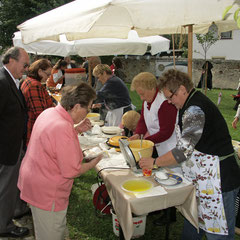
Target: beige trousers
(49,225)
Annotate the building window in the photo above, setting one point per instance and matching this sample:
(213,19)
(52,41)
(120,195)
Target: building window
(226,35)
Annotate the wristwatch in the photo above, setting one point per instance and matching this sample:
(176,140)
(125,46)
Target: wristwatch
(155,166)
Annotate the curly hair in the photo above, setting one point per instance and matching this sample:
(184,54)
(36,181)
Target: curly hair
(173,79)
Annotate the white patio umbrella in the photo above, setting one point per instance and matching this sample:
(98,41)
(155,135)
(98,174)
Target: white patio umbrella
(133,45)
(115,18)
(44,47)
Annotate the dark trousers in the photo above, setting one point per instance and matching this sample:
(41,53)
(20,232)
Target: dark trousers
(237,204)
(9,195)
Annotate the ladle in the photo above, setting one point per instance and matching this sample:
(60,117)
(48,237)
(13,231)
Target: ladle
(141,136)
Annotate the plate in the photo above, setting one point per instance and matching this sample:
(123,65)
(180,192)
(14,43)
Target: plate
(111,146)
(171,181)
(111,130)
(137,185)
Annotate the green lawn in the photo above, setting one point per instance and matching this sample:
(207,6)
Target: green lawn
(85,224)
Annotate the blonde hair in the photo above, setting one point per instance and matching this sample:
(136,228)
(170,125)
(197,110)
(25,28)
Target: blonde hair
(130,120)
(100,69)
(145,80)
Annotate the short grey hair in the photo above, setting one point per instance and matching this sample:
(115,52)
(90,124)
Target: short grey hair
(81,94)
(13,52)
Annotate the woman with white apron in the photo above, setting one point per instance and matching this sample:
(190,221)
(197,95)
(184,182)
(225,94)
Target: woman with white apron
(114,95)
(157,123)
(206,154)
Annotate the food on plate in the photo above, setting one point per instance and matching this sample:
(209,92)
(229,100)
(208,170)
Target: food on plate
(114,141)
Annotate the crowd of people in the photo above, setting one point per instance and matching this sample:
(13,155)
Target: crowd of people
(37,173)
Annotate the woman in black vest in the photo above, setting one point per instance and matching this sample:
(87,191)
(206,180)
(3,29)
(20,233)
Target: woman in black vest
(204,149)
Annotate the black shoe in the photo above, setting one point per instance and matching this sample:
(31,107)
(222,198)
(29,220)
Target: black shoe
(27,213)
(16,232)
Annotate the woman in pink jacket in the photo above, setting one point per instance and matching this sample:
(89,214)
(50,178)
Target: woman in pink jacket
(53,159)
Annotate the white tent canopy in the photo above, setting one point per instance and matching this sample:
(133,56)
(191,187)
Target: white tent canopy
(115,18)
(133,45)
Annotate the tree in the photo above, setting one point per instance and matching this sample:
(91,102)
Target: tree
(13,13)
(206,41)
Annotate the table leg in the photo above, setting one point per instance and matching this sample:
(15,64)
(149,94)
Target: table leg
(167,231)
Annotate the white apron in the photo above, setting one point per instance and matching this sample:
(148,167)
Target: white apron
(203,171)
(114,117)
(152,123)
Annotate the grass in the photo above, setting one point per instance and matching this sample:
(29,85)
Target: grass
(83,221)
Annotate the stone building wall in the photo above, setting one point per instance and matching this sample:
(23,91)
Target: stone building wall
(226,73)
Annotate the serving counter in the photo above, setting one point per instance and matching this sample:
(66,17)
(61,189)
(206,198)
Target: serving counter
(182,195)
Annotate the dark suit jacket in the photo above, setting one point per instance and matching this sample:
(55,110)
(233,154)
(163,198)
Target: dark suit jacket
(12,119)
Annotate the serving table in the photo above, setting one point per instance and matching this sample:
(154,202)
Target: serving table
(182,196)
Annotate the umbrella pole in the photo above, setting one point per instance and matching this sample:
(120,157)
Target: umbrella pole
(89,73)
(173,45)
(190,49)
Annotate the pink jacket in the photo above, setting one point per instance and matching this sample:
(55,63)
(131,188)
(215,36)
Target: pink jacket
(53,158)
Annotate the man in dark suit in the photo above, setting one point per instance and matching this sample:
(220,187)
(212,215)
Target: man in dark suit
(12,121)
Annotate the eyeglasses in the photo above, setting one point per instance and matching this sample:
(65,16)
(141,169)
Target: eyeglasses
(171,96)
(25,65)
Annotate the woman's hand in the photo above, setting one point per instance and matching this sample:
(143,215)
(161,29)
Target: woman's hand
(134,137)
(234,123)
(89,165)
(83,126)
(146,162)
(96,160)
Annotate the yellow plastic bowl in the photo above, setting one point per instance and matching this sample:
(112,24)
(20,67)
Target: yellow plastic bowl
(145,151)
(93,116)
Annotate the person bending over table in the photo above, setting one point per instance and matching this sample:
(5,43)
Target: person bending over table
(158,117)
(113,95)
(157,124)
(53,159)
(206,154)
(35,93)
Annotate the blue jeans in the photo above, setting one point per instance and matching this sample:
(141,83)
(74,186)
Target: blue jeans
(190,232)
